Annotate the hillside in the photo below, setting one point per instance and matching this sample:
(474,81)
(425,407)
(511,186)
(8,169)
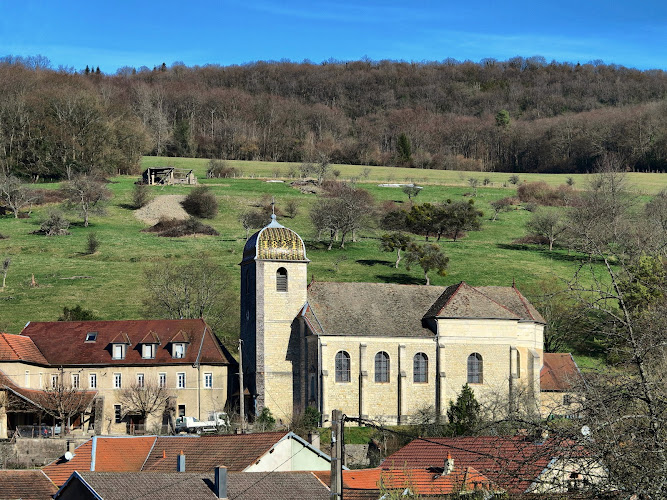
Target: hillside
(109,282)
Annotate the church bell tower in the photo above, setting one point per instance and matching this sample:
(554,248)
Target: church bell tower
(273,290)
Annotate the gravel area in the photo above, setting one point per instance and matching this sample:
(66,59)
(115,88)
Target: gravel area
(167,206)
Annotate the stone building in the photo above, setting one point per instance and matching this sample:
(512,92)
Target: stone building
(376,350)
(91,364)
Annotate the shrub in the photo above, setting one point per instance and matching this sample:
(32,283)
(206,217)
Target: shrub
(93,244)
(541,193)
(265,420)
(77,313)
(174,228)
(514,179)
(220,169)
(140,196)
(201,202)
(291,208)
(54,225)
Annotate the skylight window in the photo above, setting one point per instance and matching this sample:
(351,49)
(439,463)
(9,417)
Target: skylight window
(91,336)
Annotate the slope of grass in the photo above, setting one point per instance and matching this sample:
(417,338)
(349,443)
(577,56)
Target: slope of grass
(109,282)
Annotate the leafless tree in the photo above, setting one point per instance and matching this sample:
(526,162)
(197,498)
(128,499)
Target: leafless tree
(5,270)
(14,194)
(549,224)
(144,399)
(252,219)
(63,401)
(87,194)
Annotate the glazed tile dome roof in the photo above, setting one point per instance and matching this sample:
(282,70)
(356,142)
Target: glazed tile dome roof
(275,242)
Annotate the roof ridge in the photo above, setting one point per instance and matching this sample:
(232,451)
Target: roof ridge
(524,303)
(12,348)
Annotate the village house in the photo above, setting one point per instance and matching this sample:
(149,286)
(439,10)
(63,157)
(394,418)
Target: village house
(96,364)
(378,351)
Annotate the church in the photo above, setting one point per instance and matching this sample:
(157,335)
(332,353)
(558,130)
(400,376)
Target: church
(377,351)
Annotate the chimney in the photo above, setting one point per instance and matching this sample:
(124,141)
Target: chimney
(449,465)
(180,465)
(70,446)
(314,439)
(220,482)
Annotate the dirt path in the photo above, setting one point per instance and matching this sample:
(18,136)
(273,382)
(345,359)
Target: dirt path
(166,206)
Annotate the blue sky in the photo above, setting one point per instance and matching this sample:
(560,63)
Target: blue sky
(115,33)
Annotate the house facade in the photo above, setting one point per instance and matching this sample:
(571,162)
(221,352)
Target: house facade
(107,362)
(375,350)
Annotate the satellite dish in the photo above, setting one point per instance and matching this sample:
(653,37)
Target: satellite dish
(69,455)
(585,431)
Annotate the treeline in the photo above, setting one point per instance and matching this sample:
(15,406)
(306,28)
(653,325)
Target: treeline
(520,115)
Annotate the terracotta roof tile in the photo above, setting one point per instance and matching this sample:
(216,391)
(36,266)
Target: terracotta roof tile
(63,342)
(26,484)
(180,336)
(121,338)
(420,480)
(19,348)
(559,372)
(112,454)
(510,462)
(202,454)
(150,338)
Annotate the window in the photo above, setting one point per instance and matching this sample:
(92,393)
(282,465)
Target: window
(208,380)
(148,351)
(180,380)
(420,368)
(567,399)
(91,336)
(281,280)
(26,381)
(75,381)
(118,351)
(117,414)
(178,350)
(54,381)
(140,380)
(181,410)
(162,380)
(92,380)
(382,367)
(475,368)
(518,364)
(117,381)
(342,366)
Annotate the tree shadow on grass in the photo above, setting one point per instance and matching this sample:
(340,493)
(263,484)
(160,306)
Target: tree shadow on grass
(400,279)
(374,262)
(127,206)
(556,254)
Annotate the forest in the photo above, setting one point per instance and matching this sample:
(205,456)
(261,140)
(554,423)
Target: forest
(521,115)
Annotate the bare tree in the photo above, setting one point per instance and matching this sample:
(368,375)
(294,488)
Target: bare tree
(252,219)
(87,194)
(5,270)
(195,289)
(411,191)
(14,194)
(144,399)
(63,401)
(549,224)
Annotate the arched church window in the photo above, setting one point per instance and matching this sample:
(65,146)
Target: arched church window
(475,368)
(382,367)
(342,366)
(281,280)
(420,368)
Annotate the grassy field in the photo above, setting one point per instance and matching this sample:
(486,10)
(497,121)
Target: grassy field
(109,282)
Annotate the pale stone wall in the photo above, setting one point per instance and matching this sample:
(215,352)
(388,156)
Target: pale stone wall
(198,400)
(290,455)
(279,351)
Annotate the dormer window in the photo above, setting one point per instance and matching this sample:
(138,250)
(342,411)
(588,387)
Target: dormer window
(118,351)
(178,350)
(91,336)
(148,351)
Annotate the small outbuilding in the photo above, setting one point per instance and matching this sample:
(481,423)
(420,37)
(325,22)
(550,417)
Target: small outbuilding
(168,176)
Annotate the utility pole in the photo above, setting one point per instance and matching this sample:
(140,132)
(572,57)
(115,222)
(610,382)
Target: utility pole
(241,389)
(337,448)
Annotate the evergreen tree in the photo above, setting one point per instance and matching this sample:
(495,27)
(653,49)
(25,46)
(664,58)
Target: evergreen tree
(464,415)
(404,149)
(87,70)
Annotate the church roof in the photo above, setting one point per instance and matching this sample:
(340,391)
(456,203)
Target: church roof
(275,242)
(390,310)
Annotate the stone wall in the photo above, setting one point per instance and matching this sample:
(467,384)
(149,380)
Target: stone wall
(30,453)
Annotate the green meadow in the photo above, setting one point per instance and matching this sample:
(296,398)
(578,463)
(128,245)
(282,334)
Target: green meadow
(110,282)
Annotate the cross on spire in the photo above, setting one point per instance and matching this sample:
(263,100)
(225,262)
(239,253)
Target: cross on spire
(273,205)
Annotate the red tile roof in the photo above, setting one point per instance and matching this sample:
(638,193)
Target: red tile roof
(19,348)
(63,342)
(559,372)
(26,484)
(202,454)
(112,454)
(422,481)
(510,462)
